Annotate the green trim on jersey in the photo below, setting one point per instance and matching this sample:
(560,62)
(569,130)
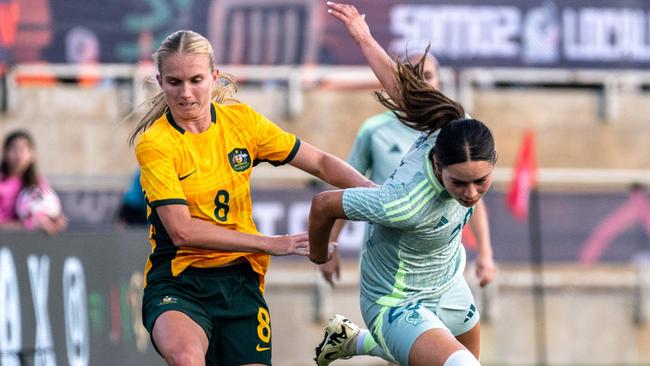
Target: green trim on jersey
(432,177)
(413,196)
(398,294)
(378,326)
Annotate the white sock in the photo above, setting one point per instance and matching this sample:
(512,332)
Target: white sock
(461,358)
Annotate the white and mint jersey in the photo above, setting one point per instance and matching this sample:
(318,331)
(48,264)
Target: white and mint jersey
(380,145)
(414,251)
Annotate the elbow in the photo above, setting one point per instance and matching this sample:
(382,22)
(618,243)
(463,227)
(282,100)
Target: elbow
(317,204)
(179,236)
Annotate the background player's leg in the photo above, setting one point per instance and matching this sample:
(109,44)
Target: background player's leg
(472,340)
(179,339)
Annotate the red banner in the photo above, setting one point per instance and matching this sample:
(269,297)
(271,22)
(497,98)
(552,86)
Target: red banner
(524,178)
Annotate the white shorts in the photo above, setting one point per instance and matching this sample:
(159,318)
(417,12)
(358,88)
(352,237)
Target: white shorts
(395,329)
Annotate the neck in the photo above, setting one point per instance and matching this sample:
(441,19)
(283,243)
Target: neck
(195,125)
(16,172)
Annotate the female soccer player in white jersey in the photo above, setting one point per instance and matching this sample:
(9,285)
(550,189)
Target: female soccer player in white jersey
(414,299)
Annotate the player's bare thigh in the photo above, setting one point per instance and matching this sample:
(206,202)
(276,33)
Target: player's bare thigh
(433,347)
(471,340)
(179,339)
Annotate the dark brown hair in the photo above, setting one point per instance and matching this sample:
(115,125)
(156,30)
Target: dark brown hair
(421,107)
(417,104)
(29,177)
(463,140)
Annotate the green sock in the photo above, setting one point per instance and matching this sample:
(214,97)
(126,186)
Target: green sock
(366,345)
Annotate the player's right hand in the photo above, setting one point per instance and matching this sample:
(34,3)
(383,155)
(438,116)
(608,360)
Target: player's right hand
(332,268)
(297,244)
(354,22)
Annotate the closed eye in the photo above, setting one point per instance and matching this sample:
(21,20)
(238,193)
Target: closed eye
(461,183)
(458,183)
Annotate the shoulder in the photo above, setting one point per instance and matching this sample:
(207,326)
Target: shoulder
(160,128)
(158,136)
(234,108)
(237,115)
(377,121)
(426,142)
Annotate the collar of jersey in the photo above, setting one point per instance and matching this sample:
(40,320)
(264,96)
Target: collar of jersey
(435,183)
(170,118)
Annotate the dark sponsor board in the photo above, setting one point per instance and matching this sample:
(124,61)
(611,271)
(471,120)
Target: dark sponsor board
(526,33)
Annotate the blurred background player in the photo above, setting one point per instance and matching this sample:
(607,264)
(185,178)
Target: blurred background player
(204,280)
(377,151)
(26,199)
(133,208)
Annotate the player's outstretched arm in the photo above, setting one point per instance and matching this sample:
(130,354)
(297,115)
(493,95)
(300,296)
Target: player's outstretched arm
(378,60)
(328,167)
(185,230)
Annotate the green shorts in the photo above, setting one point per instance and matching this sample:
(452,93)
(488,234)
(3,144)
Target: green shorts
(396,328)
(226,302)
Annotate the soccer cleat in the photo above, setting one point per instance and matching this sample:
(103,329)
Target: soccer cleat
(339,341)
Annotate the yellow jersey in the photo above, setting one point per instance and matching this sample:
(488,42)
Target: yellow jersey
(210,173)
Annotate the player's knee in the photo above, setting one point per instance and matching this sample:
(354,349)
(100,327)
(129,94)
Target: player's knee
(461,358)
(187,357)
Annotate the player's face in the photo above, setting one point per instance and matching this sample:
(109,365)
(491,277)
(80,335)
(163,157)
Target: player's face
(19,155)
(187,82)
(467,182)
(430,70)
(430,73)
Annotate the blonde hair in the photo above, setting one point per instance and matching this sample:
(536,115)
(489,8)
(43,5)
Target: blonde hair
(189,43)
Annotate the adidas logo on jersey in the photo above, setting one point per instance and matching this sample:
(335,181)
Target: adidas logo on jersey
(395,149)
(442,222)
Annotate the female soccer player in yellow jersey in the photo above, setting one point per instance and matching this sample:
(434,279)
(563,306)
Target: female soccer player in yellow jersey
(204,279)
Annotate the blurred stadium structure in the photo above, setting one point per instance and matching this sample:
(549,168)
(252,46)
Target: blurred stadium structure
(585,94)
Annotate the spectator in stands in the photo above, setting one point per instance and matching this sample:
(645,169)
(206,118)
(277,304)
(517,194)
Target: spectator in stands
(26,200)
(413,295)
(204,279)
(133,209)
(380,144)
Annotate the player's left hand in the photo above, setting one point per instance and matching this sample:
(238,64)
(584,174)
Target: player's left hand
(485,270)
(354,22)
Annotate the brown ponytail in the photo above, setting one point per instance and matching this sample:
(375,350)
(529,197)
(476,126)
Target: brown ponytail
(418,105)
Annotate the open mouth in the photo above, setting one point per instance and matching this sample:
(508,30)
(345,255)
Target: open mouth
(468,202)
